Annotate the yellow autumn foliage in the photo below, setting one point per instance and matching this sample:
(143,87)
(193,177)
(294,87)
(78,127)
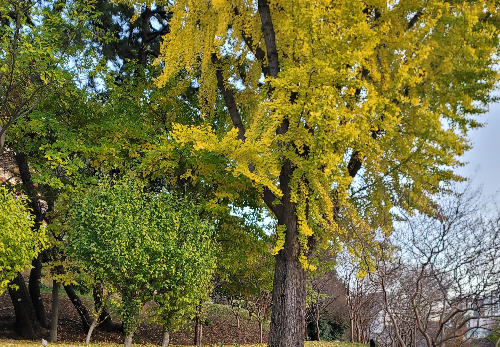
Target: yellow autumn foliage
(390,85)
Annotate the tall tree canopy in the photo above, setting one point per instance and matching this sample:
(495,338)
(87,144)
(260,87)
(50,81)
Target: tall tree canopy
(335,108)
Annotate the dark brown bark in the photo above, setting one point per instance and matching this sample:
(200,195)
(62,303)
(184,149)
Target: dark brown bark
(289,291)
(317,319)
(198,328)
(79,306)
(354,164)
(26,323)
(34,290)
(24,172)
(36,272)
(269,37)
(198,332)
(146,17)
(54,319)
(259,53)
(228,94)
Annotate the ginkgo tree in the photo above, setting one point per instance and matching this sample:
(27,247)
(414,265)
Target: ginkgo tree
(336,108)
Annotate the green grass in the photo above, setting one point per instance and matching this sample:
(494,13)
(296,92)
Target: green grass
(81,291)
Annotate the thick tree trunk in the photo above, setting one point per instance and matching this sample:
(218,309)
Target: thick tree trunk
(80,307)
(26,323)
(54,319)
(36,272)
(287,320)
(289,290)
(166,339)
(128,339)
(34,290)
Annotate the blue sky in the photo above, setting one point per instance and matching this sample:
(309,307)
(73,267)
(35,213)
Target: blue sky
(484,158)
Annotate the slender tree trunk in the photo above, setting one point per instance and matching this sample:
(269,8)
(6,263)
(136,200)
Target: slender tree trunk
(128,339)
(236,312)
(289,291)
(306,335)
(80,307)
(352,329)
(238,316)
(318,338)
(198,332)
(94,323)
(358,332)
(91,330)
(26,323)
(166,339)
(198,328)
(317,320)
(34,290)
(106,324)
(260,330)
(54,319)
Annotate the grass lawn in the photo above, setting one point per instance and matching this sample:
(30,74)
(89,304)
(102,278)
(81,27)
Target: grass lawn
(16,343)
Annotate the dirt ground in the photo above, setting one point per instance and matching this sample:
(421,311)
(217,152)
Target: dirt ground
(220,326)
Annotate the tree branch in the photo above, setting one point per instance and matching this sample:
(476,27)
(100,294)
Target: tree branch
(269,197)
(259,53)
(269,37)
(414,19)
(228,95)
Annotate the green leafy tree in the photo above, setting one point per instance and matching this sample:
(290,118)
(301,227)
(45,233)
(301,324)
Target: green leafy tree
(245,265)
(142,243)
(18,242)
(43,47)
(38,42)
